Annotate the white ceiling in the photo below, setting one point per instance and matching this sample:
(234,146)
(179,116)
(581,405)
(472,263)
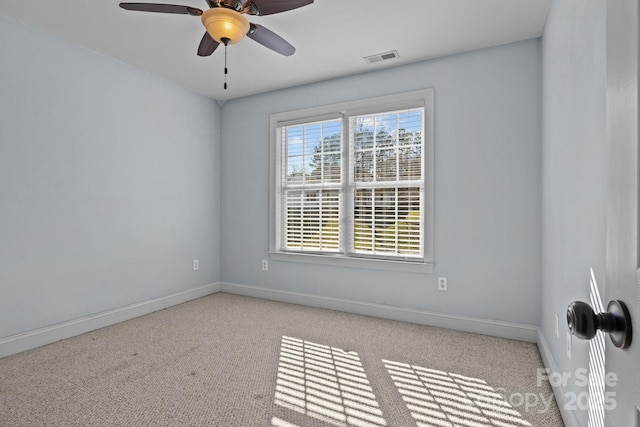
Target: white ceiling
(331,37)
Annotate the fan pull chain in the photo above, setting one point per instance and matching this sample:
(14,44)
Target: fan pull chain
(226,71)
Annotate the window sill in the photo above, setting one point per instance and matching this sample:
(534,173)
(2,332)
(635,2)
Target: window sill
(352,262)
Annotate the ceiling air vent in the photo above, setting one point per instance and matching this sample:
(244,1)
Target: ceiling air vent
(381,57)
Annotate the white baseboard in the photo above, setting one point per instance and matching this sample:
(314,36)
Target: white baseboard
(47,335)
(568,416)
(461,323)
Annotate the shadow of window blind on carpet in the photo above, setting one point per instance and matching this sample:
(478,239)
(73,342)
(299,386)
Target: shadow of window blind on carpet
(325,383)
(437,398)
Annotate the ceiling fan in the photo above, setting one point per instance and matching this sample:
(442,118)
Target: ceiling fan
(226,24)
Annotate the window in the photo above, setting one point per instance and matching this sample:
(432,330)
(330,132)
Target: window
(352,184)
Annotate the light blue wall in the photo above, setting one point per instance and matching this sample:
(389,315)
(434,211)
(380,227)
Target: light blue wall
(487,187)
(573,169)
(109,183)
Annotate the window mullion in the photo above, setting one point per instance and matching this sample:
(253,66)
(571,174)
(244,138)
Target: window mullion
(347,190)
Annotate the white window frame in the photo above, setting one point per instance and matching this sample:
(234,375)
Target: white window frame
(416,99)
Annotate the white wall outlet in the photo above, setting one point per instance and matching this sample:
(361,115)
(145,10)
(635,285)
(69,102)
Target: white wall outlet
(568,344)
(442,283)
(195,265)
(557,326)
(265,265)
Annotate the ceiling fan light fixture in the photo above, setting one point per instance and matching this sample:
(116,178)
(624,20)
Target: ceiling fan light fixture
(222,23)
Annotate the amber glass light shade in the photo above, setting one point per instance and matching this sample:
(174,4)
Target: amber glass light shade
(224,23)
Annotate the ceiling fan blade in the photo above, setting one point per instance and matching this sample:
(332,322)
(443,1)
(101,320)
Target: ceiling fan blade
(270,39)
(162,8)
(269,7)
(207,45)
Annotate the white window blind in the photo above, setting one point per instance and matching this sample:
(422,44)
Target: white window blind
(355,182)
(312,186)
(387,164)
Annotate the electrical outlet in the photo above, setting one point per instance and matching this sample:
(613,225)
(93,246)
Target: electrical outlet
(442,283)
(568,345)
(557,326)
(196,264)
(265,265)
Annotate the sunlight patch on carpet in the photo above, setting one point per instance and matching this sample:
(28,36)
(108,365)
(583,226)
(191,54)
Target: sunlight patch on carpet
(325,383)
(437,398)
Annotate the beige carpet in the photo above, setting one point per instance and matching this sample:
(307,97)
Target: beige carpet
(227,360)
